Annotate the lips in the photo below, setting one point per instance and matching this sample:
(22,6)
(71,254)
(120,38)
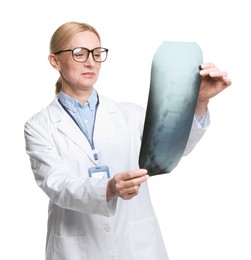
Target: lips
(88,74)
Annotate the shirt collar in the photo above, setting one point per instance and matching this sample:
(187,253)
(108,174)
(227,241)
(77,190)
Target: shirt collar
(72,104)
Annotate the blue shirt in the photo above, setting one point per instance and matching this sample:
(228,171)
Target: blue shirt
(84,114)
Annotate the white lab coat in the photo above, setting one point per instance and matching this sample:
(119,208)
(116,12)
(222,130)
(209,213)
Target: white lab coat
(81,224)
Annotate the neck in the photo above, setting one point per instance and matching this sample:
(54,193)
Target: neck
(80,95)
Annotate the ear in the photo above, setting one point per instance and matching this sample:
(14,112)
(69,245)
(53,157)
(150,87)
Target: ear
(53,61)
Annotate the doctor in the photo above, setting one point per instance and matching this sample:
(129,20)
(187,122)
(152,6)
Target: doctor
(84,151)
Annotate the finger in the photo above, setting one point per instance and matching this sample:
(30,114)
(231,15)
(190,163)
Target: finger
(227,81)
(206,66)
(124,185)
(130,193)
(133,174)
(132,190)
(128,196)
(136,181)
(221,76)
(217,74)
(207,71)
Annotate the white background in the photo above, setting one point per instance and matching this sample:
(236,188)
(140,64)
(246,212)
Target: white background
(203,206)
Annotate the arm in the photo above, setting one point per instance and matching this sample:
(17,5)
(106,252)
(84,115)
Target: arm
(213,82)
(67,185)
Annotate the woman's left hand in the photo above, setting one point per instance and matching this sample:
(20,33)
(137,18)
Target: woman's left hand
(213,82)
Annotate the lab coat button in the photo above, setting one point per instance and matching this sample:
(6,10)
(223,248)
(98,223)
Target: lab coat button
(107,228)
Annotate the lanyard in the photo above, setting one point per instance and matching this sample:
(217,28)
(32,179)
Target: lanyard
(90,141)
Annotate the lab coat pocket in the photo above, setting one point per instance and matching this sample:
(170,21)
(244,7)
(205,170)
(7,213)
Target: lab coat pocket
(146,241)
(67,248)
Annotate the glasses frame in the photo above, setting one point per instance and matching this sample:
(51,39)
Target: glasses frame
(89,51)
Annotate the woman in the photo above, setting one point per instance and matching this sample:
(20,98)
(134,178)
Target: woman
(84,152)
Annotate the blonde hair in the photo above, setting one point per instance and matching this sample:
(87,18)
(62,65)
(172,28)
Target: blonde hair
(62,36)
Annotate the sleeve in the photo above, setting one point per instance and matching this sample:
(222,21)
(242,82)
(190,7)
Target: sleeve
(197,132)
(56,178)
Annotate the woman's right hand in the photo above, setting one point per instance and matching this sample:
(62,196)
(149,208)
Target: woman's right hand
(126,185)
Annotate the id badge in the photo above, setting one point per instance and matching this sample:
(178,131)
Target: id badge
(99,172)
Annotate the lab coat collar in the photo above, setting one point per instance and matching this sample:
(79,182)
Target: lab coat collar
(103,125)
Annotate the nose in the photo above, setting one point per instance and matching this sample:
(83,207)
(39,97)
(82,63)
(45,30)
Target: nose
(90,61)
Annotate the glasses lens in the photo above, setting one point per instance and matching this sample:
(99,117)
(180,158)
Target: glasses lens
(80,54)
(99,54)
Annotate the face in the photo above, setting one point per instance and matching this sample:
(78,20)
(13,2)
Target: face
(77,77)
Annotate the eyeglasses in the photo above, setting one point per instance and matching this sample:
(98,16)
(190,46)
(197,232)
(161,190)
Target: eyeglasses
(81,54)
